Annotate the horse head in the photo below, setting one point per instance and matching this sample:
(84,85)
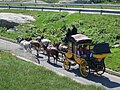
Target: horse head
(56,44)
(19,39)
(63,48)
(60,46)
(39,38)
(28,38)
(45,45)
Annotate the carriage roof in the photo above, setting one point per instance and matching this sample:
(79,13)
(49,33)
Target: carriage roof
(80,39)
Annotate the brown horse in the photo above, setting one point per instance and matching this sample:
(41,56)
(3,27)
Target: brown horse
(60,47)
(51,51)
(43,42)
(35,45)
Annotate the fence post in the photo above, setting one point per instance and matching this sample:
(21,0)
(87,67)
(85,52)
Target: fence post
(60,10)
(101,12)
(42,9)
(79,11)
(9,7)
(25,7)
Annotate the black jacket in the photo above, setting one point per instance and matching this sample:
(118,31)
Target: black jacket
(74,31)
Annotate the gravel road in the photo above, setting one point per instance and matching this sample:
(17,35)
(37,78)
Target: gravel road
(108,81)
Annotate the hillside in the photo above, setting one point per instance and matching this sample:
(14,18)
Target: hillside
(53,25)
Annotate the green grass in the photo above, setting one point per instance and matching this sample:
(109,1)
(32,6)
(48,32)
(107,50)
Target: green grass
(51,1)
(53,25)
(113,60)
(110,1)
(16,74)
(95,7)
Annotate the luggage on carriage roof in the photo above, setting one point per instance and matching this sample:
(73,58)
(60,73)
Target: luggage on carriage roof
(80,39)
(101,48)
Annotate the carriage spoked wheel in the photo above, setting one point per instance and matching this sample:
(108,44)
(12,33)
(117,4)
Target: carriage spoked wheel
(100,69)
(66,65)
(84,68)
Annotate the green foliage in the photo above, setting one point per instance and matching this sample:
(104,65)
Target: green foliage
(53,25)
(16,74)
(51,1)
(110,1)
(113,60)
(3,29)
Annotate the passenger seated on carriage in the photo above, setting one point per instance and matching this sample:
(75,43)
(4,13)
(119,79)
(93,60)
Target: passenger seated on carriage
(86,52)
(83,52)
(80,51)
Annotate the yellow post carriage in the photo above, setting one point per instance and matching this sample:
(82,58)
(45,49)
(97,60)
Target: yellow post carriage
(86,61)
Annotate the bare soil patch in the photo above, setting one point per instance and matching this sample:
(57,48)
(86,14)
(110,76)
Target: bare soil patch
(10,20)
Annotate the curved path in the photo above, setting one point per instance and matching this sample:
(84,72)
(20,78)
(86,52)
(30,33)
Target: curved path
(108,81)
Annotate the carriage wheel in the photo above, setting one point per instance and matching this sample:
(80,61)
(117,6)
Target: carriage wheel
(84,69)
(66,65)
(101,69)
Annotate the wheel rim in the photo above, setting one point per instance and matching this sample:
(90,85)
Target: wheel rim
(84,69)
(101,70)
(66,65)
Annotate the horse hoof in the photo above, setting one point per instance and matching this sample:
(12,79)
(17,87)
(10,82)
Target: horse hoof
(48,61)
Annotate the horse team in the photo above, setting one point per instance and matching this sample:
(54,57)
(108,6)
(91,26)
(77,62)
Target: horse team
(44,45)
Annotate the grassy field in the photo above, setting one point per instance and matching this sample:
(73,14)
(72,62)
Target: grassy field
(16,74)
(53,25)
(112,61)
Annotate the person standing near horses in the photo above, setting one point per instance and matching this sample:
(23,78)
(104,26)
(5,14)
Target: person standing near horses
(74,30)
(68,34)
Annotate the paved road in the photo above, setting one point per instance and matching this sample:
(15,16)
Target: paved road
(108,81)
